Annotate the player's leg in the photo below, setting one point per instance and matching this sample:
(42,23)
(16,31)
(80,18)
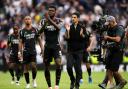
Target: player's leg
(89,72)
(47,58)
(118,60)
(103,85)
(116,79)
(34,69)
(26,61)
(77,65)
(11,71)
(122,82)
(26,74)
(47,73)
(57,56)
(58,71)
(104,82)
(34,73)
(110,78)
(70,63)
(87,59)
(18,72)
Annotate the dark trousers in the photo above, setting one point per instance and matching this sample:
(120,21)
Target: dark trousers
(74,59)
(113,59)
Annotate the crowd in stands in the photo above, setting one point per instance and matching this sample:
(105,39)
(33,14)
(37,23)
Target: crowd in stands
(13,11)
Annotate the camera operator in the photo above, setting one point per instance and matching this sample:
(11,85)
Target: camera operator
(114,56)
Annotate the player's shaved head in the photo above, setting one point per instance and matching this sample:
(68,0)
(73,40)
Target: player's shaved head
(27,20)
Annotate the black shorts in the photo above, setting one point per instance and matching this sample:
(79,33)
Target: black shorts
(29,57)
(13,59)
(114,59)
(52,52)
(86,57)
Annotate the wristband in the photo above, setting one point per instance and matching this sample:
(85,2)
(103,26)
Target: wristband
(19,52)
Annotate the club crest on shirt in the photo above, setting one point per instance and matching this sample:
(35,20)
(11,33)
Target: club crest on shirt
(50,28)
(15,41)
(29,36)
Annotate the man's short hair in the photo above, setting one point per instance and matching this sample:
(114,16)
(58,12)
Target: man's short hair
(77,14)
(52,6)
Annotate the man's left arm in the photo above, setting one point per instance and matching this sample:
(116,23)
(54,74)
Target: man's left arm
(57,26)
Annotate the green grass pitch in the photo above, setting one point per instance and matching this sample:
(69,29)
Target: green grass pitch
(5,80)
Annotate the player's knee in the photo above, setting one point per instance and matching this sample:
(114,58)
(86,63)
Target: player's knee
(58,62)
(34,69)
(11,66)
(115,72)
(25,70)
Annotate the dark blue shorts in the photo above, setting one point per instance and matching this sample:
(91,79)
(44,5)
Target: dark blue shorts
(114,59)
(86,57)
(29,57)
(52,52)
(14,59)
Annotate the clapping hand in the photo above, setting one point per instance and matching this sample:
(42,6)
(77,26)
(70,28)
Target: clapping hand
(67,26)
(46,15)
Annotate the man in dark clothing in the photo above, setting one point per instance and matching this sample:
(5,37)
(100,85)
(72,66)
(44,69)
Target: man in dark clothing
(114,56)
(28,38)
(74,37)
(50,27)
(13,61)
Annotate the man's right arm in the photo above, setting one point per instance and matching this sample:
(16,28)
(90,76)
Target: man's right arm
(20,44)
(42,25)
(41,45)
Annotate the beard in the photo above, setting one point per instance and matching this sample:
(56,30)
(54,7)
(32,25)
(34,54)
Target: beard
(15,32)
(27,24)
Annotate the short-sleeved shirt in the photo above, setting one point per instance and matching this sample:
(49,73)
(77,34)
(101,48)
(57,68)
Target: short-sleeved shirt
(29,38)
(50,31)
(13,42)
(117,31)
